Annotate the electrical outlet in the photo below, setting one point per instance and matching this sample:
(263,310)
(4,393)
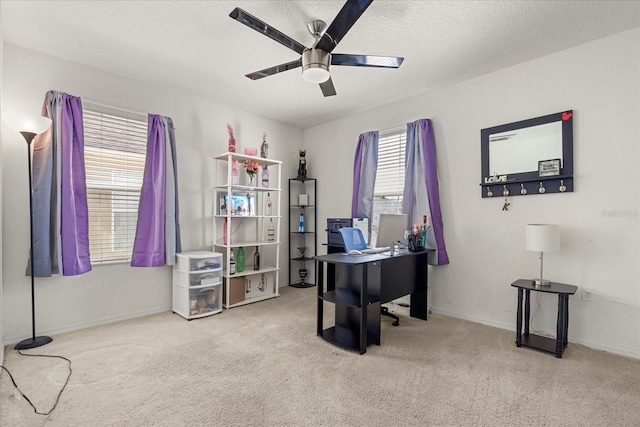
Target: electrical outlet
(587,294)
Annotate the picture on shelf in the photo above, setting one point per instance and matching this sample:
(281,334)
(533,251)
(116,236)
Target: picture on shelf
(240,205)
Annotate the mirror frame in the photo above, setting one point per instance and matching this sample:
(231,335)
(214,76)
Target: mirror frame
(530,182)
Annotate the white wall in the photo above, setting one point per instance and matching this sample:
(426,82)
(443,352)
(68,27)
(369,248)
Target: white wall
(599,221)
(1,299)
(113,292)
(599,81)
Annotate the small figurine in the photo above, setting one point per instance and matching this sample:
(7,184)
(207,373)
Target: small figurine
(235,174)
(302,164)
(232,140)
(264,148)
(264,151)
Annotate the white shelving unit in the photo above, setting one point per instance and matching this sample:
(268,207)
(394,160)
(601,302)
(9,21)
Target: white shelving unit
(197,284)
(240,219)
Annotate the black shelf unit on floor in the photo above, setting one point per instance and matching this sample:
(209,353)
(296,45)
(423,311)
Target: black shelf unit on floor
(301,260)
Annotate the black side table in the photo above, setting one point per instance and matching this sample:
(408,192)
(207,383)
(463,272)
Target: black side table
(558,345)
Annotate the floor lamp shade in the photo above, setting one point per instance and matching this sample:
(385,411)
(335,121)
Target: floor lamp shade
(29,125)
(22,121)
(542,238)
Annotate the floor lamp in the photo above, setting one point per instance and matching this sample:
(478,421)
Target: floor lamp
(29,125)
(542,238)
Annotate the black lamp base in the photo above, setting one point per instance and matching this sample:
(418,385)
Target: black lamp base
(301,284)
(33,343)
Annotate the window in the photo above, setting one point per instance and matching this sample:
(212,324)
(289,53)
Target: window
(389,186)
(114,156)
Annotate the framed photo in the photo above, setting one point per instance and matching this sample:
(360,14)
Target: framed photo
(238,205)
(549,167)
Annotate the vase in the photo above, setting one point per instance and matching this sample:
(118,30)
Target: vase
(252,179)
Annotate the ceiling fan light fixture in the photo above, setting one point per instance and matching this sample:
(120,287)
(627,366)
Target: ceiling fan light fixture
(315,65)
(316,74)
(315,61)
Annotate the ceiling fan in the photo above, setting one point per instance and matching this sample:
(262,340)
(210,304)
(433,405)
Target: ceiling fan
(315,61)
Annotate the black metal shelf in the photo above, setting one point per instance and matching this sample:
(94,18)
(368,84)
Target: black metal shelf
(308,239)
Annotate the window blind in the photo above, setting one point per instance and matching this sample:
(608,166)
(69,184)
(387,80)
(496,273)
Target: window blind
(389,184)
(390,175)
(114,154)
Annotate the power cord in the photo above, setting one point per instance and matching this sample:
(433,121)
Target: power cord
(537,331)
(25,396)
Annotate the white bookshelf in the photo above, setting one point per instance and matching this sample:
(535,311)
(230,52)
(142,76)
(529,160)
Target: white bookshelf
(239,212)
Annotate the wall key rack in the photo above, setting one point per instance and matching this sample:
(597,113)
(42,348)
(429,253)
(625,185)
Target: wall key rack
(533,156)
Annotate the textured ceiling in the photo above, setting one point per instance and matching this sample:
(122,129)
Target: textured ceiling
(194,46)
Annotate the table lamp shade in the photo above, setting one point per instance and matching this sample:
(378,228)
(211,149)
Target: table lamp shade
(543,237)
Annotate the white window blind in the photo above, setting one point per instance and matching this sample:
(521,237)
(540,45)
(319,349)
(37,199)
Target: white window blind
(114,156)
(389,186)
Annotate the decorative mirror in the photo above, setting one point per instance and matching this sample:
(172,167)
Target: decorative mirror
(523,157)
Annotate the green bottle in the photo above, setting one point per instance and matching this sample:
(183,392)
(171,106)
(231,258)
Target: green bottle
(240,260)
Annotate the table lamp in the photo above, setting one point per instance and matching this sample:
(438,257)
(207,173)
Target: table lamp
(542,238)
(29,125)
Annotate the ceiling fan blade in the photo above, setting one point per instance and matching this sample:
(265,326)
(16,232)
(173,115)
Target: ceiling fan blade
(274,70)
(344,20)
(327,88)
(263,28)
(366,60)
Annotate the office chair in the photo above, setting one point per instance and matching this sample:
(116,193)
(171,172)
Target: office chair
(352,238)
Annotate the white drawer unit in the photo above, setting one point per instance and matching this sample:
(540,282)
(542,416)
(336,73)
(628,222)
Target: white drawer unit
(197,284)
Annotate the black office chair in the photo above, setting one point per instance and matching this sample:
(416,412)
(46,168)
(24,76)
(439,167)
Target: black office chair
(352,238)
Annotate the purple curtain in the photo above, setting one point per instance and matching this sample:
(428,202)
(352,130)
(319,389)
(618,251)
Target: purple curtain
(158,230)
(61,218)
(148,246)
(172,217)
(364,175)
(421,193)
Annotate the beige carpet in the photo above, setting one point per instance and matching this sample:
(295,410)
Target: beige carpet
(263,364)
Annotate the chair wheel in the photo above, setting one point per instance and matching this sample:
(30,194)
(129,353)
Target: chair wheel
(396,323)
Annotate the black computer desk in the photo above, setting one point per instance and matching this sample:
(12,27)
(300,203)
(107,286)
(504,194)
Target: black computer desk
(358,284)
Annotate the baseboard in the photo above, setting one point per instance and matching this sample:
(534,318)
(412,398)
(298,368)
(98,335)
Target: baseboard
(621,351)
(77,326)
(488,322)
(11,340)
